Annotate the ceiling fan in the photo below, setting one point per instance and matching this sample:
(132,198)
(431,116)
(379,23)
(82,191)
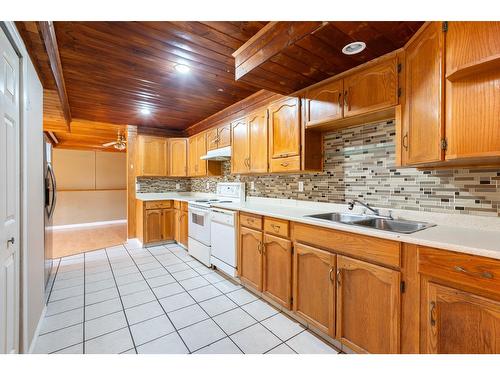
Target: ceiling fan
(120,143)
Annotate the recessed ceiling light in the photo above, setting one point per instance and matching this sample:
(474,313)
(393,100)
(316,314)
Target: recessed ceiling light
(181,68)
(220,90)
(353,48)
(145,111)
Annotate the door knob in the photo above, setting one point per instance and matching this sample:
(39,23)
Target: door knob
(11,241)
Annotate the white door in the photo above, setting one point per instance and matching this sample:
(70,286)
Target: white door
(9,197)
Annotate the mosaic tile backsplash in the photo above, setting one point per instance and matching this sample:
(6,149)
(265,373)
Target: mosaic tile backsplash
(359,164)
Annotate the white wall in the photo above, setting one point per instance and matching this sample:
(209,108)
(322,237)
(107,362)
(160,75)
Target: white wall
(91,186)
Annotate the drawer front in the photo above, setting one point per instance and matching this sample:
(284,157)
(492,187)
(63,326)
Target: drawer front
(471,270)
(251,221)
(276,227)
(184,206)
(372,249)
(157,204)
(289,164)
(177,204)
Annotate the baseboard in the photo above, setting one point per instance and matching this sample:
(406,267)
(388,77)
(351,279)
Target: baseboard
(86,225)
(37,331)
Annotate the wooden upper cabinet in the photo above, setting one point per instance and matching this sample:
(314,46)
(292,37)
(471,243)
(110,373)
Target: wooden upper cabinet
(277,270)
(368,306)
(324,103)
(192,156)
(152,156)
(178,157)
(250,262)
(371,89)
(473,90)
(314,287)
(240,146)
(201,150)
(459,322)
(284,135)
(224,136)
(212,139)
(257,132)
(423,128)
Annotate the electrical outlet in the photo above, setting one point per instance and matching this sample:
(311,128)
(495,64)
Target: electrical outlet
(208,185)
(252,185)
(301,185)
(137,186)
(177,186)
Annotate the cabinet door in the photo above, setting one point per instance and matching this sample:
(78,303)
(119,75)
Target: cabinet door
(178,157)
(240,151)
(424,125)
(277,270)
(257,129)
(284,128)
(153,229)
(224,136)
(201,150)
(177,227)
(251,257)
(183,228)
(212,139)
(368,306)
(192,160)
(473,90)
(324,103)
(314,287)
(152,156)
(371,89)
(167,224)
(458,322)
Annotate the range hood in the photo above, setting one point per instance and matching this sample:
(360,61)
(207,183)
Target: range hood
(218,154)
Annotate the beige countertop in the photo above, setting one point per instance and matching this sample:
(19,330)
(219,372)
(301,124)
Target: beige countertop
(470,240)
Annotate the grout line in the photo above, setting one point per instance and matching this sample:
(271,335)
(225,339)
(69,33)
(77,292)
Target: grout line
(83,349)
(157,300)
(123,307)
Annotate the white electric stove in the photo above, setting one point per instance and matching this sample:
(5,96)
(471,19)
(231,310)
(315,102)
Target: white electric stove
(212,232)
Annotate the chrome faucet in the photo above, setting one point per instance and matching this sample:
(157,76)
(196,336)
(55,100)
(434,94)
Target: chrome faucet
(376,212)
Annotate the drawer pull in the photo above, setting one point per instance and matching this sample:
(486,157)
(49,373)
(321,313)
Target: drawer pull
(432,313)
(275,227)
(484,274)
(284,164)
(249,221)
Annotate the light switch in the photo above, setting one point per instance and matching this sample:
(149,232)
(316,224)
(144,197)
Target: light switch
(177,186)
(301,185)
(208,185)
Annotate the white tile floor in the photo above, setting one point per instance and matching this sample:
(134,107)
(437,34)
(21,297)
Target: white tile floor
(160,300)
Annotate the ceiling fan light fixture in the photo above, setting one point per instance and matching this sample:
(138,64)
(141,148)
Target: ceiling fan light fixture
(120,146)
(353,48)
(181,68)
(145,111)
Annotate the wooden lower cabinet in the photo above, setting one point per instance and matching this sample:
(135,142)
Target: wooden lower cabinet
(314,287)
(158,225)
(181,227)
(458,322)
(251,245)
(368,306)
(277,270)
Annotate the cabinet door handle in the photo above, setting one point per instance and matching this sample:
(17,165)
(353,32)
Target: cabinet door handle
(10,241)
(405,141)
(339,275)
(432,313)
(330,275)
(340,100)
(483,274)
(345,98)
(259,247)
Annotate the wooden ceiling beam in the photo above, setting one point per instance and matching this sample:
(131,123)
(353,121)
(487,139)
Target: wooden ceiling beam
(50,42)
(270,41)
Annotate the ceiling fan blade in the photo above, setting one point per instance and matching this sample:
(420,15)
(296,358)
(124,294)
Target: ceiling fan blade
(109,144)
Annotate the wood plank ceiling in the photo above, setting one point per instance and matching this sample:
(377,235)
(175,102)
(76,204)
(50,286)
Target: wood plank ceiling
(113,70)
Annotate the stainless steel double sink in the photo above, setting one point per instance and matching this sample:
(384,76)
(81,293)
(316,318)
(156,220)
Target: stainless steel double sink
(374,222)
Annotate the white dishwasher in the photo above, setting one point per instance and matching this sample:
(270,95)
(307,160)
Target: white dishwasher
(223,236)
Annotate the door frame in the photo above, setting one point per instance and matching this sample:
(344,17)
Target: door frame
(26,339)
